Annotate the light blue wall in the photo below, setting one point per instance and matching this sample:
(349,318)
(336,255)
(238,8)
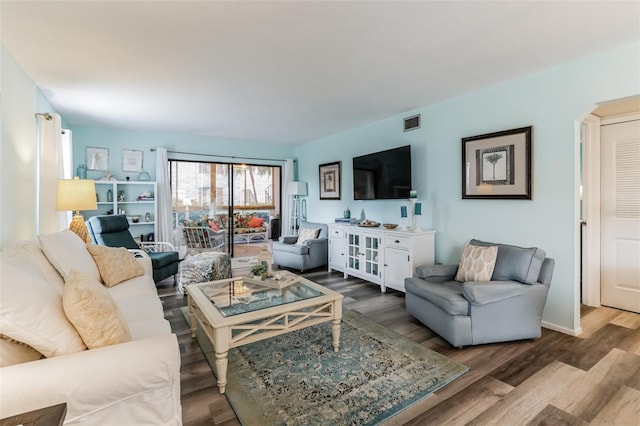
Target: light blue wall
(118,140)
(551,101)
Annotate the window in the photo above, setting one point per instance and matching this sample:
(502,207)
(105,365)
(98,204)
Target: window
(205,186)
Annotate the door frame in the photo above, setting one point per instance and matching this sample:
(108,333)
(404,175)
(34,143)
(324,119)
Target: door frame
(591,170)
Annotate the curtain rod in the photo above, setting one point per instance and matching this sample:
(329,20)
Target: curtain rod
(224,156)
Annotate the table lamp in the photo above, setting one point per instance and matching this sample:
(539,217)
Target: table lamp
(77,194)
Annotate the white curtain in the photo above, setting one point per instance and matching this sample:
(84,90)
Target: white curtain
(163,197)
(286,199)
(50,168)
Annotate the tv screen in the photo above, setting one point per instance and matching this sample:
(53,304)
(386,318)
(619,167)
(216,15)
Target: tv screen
(384,175)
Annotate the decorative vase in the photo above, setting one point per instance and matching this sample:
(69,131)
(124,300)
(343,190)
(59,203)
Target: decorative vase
(82,171)
(109,196)
(347,213)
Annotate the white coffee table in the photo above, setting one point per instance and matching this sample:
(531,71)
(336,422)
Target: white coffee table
(238,311)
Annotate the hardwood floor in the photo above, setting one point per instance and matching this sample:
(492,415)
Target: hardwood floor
(593,379)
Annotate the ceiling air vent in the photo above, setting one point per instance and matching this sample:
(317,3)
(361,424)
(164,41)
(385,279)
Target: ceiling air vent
(412,123)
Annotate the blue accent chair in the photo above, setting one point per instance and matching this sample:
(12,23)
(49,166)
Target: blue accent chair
(509,307)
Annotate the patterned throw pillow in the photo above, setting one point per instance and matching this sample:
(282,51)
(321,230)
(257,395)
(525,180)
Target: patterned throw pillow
(93,312)
(477,263)
(116,264)
(307,234)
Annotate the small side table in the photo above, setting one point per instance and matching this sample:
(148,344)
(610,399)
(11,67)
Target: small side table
(48,416)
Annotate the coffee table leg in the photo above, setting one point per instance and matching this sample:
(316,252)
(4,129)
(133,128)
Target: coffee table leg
(221,345)
(221,370)
(335,324)
(192,320)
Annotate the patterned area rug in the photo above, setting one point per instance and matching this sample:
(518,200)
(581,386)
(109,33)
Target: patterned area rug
(296,378)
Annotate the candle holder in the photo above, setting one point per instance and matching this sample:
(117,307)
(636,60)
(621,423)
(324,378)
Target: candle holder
(416,211)
(403,218)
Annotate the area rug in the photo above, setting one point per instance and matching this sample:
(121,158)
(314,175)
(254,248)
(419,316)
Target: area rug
(297,379)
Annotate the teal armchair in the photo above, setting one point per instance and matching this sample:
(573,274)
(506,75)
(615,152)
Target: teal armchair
(113,231)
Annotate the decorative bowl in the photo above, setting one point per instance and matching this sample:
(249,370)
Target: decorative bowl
(390,225)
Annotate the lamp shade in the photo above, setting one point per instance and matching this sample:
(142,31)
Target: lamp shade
(297,188)
(187,202)
(76,194)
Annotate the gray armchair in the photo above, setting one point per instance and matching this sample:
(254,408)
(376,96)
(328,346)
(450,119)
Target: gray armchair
(509,307)
(311,253)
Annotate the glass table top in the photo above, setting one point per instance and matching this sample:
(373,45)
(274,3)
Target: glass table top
(247,295)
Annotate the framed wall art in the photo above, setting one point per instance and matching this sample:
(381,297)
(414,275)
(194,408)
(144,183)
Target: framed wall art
(330,183)
(97,158)
(497,165)
(132,160)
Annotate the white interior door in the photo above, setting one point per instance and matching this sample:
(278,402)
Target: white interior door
(620,215)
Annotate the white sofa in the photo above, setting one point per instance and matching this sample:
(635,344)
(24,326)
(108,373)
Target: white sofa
(135,382)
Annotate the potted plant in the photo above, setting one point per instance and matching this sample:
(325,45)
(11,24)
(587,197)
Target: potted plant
(259,270)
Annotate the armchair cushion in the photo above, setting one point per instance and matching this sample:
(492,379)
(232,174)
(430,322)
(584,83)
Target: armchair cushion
(516,263)
(447,295)
(482,293)
(293,248)
(477,263)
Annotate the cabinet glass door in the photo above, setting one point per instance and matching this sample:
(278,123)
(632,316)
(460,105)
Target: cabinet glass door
(371,255)
(353,253)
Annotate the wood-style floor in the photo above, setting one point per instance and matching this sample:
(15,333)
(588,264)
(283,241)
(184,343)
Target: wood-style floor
(593,379)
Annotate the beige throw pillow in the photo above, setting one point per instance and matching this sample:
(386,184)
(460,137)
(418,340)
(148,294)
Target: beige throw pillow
(307,234)
(116,264)
(477,263)
(93,312)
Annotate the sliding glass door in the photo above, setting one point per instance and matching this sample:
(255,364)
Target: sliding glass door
(239,201)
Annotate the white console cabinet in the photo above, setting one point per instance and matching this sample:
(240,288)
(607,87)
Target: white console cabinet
(384,257)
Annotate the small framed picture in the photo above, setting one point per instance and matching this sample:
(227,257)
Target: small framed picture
(330,184)
(97,158)
(131,160)
(497,165)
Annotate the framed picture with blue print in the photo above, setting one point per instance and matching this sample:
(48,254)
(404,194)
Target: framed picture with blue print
(497,165)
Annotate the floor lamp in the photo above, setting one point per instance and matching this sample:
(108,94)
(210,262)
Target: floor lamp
(298,205)
(77,194)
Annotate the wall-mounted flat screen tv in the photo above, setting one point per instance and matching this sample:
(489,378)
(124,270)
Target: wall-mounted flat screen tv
(384,175)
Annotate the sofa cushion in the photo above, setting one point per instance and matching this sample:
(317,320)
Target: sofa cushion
(145,328)
(447,295)
(31,312)
(13,352)
(66,251)
(25,255)
(93,312)
(116,264)
(135,287)
(307,234)
(515,263)
(476,263)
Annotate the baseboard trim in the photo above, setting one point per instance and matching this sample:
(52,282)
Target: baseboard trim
(561,329)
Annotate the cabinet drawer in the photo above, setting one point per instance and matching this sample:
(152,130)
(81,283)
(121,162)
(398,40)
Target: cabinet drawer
(336,233)
(397,242)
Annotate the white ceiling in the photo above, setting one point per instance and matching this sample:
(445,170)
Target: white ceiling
(292,71)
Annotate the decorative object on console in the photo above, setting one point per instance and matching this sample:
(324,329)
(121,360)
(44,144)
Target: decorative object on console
(413,194)
(417,211)
(77,194)
(347,213)
(82,171)
(497,165)
(330,183)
